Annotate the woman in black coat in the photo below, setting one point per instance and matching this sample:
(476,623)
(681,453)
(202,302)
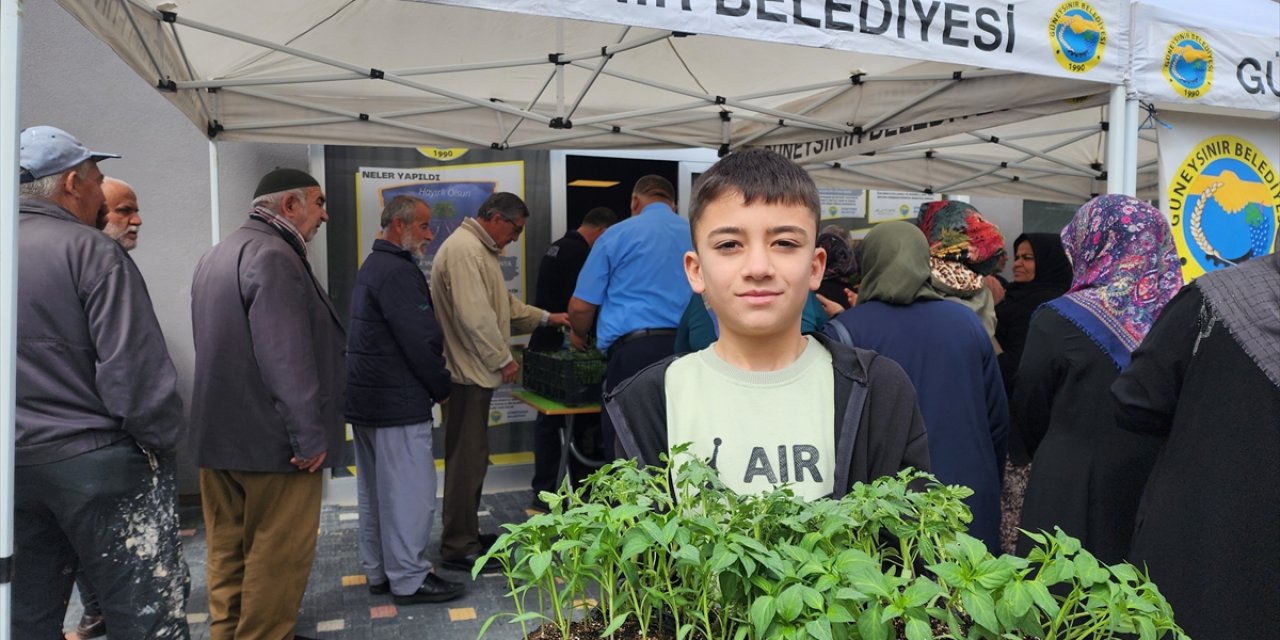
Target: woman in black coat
(1041,272)
(1086,473)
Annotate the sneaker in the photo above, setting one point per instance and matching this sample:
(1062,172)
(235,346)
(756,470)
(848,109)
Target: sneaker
(91,627)
(433,589)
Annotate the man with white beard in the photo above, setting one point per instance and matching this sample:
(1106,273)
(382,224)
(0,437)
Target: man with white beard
(123,219)
(395,373)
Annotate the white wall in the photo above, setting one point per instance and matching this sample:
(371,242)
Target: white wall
(73,81)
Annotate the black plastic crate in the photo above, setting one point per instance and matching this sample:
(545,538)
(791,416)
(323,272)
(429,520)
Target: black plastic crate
(568,377)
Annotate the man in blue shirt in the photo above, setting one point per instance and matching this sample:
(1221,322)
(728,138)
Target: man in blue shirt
(633,287)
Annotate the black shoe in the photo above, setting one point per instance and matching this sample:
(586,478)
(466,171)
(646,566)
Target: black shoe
(91,627)
(468,562)
(433,589)
(380,589)
(538,505)
(487,540)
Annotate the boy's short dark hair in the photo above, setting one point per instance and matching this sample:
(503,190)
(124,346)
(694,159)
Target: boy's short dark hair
(758,175)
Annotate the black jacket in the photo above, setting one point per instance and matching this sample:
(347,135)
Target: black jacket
(557,278)
(395,350)
(878,426)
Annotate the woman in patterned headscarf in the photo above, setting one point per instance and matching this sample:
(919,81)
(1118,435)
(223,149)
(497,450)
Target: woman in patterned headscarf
(963,247)
(1087,474)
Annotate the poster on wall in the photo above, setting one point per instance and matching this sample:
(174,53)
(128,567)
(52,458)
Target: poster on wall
(884,206)
(1220,189)
(842,203)
(454,192)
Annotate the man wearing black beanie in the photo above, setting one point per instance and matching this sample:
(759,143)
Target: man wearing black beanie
(266,411)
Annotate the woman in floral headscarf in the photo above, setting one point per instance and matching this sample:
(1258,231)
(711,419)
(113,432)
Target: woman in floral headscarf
(1087,474)
(963,247)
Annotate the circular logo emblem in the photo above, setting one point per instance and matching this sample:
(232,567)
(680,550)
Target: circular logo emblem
(1224,205)
(1078,36)
(1188,64)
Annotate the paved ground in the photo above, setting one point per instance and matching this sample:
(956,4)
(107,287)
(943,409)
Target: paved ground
(338,604)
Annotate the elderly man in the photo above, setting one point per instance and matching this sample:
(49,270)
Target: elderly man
(634,282)
(97,412)
(266,408)
(395,373)
(478,315)
(123,219)
(122,226)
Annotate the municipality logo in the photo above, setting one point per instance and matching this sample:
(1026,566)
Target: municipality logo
(1077,35)
(1188,64)
(1223,203)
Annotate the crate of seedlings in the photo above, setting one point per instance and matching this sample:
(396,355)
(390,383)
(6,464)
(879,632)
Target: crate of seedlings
(568,377)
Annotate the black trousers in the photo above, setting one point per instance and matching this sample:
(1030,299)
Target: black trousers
(110,513)
(546,449)
(626,360)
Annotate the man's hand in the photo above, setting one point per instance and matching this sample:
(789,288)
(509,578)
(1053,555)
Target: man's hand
(576,341)
(509,372)
(832,308)
(309,464)
(558,320)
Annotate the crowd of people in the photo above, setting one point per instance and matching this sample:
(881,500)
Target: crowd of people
(1093,392)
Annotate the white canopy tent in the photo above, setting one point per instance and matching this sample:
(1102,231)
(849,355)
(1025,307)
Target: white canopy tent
(981,97)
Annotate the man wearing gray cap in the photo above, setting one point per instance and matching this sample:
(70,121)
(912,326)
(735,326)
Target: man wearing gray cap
(98,412)
(266,410)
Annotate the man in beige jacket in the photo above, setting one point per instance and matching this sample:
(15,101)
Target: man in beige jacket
(478,316)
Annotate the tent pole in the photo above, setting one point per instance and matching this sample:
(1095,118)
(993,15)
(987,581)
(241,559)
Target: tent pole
(1131,125)
(10,84)
(215,208)
(1115,140)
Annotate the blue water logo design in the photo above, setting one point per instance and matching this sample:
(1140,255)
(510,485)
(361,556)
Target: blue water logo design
(1188,64)
(1078,36)
(1231,216)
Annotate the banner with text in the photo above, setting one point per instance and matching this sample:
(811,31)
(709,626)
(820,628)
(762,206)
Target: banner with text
(1085,39)
(454,192)
(1234,65)
(1220,188)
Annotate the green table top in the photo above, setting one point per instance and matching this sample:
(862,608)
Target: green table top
(551,407)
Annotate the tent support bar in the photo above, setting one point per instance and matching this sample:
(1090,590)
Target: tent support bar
(1082,170)
(304,122)
(982,174)
(389,77)
(1115,141)
(10,90)
(843,83)
(137,31)
(559,71)
(186,62)
(737,104)
(863,172)
(613,117)
(356,117)
(338,77)
(506,138)
(617,47)
(918,99)
(807,111)
(215,205)
(1131,147)
(927,146)
(591,82)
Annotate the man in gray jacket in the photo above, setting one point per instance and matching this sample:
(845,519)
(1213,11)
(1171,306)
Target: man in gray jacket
(266,411)
(97,412)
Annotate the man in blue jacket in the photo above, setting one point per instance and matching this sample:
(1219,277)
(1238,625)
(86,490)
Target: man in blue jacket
(395,372)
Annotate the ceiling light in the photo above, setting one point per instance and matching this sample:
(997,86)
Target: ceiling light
(593,183)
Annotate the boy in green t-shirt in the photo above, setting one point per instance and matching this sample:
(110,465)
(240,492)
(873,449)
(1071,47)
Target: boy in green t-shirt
(766,404)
